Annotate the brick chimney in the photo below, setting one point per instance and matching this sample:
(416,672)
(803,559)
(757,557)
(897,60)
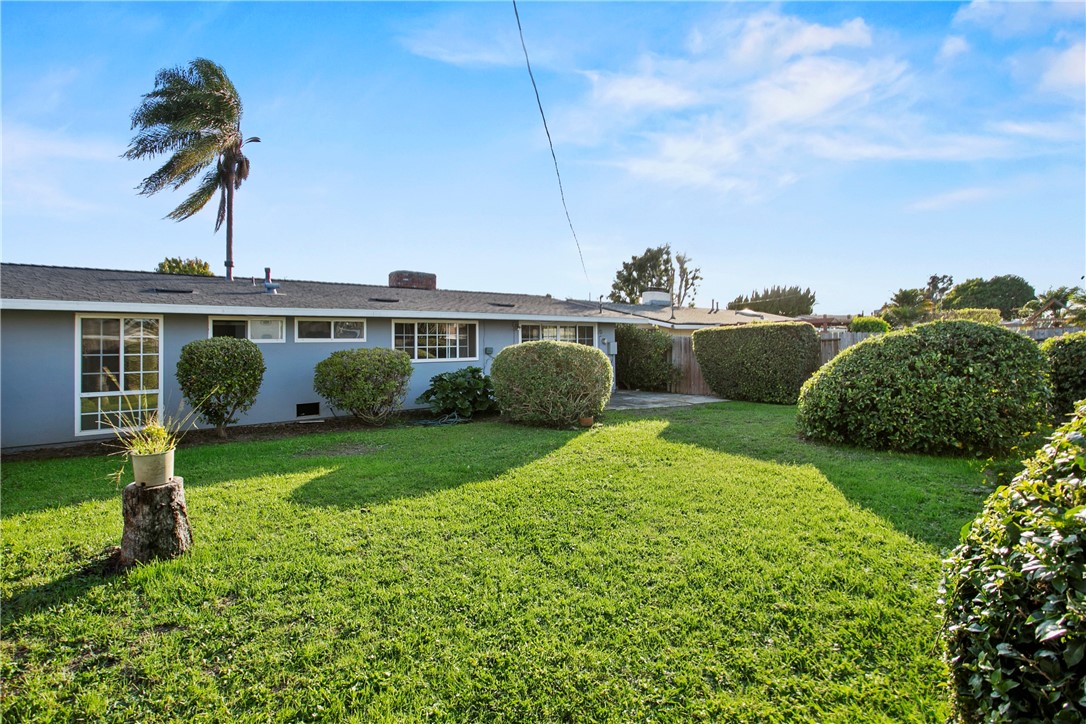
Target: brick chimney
(412,280)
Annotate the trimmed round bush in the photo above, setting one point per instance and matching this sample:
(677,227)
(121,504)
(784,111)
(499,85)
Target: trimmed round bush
(947,386)
(368,383)
(1067,370)
(877,325)
(762,362)
(643,360)
(1015,594)
(551,384)
(220,377)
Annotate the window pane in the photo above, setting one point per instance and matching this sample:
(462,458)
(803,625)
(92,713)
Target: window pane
(229,328)
(350,330)
(530,333)
(266,329)
(586,335)
(314,330)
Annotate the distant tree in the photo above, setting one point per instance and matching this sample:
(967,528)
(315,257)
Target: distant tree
(651,270)
(1007,293)
(938,286)
(1076,312)
(194,114)
(686,281)
(907,307)
(177,265)
(1053,308)
(785,301)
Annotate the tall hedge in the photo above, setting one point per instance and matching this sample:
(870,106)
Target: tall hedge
(643,361)
(220,377)
(943,386)
(766,362)
(876,325)
(1067,368)
(1015,594)
(551,384)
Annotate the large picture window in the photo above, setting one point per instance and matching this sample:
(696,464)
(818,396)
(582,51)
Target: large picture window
(119,364)
(436,340)
(579,333)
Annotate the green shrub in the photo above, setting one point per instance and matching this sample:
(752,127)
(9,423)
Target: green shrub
(368,383)
(220,377)
(643,361)
(983,316)
(464,392)
(1015,594)
(878,325)
(763,362)
(938,387)
(551,383)
(1067,369)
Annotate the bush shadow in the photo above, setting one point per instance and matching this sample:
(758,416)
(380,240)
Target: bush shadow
(928,498)
(97,571)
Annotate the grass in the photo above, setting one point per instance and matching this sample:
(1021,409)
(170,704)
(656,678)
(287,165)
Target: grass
(693,564)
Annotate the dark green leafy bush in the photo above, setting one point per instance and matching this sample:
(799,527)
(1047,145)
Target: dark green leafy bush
(1067,369)
(1015,594)
(220,377)
(878,325)
(938,387)
(643,361)
(758,362)
(551,383)
(464,392)
(368,383)
(984,316)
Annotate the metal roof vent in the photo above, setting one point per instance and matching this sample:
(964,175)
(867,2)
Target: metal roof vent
(269,287)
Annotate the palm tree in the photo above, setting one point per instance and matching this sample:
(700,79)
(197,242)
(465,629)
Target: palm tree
(194,114)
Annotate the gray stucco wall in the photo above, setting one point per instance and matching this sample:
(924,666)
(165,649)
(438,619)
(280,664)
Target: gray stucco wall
(37,370)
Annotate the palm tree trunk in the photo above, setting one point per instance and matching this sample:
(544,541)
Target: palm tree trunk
(230,222)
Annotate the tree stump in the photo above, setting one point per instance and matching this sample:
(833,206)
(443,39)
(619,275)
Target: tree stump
(156,522)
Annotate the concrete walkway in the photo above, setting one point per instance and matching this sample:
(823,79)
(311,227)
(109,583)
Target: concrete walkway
(627,400)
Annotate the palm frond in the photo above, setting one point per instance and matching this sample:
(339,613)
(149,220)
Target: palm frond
(198,199)
(221,215)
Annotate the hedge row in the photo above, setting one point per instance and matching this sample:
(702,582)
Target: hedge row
(643,361)
(758,362)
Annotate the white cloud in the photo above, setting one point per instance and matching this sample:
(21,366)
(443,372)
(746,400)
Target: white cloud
(453,39)
(1066,71)
(639,91)
(813,87)
(952,47)
(769,36)
(24,143)
(1063,130)
(1006,19)
(953,199)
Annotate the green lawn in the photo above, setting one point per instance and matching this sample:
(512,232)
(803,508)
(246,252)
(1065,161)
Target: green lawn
(672,565)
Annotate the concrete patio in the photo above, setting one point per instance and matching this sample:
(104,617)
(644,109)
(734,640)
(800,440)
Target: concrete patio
(637,400)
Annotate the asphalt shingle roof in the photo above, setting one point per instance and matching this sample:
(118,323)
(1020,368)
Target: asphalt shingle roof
(46,286)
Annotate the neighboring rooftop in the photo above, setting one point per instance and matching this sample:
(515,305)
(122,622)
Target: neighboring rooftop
(31,286)
(692,317)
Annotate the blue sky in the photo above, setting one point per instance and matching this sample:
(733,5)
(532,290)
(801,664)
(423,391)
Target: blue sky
(855,148)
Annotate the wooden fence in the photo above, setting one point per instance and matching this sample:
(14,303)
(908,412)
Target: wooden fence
(690,380)
(833,341)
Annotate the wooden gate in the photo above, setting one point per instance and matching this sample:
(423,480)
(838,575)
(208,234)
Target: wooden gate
(690,380)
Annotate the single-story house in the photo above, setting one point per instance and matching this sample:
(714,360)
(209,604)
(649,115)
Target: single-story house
(64,327)
(655,310)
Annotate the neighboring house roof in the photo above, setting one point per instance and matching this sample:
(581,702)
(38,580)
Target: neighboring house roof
(38,287)
(691,317)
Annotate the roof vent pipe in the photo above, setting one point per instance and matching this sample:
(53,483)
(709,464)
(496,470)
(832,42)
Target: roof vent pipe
(269,288)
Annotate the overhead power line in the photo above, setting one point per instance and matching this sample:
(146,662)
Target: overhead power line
(550,143)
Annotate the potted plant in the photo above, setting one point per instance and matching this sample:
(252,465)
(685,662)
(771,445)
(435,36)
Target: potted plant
(148,441)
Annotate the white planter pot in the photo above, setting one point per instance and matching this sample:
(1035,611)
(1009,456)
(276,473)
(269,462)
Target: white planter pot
(153,470)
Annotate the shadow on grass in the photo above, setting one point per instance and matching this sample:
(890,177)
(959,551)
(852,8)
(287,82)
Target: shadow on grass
(369,466)
(928,498)
(95,572)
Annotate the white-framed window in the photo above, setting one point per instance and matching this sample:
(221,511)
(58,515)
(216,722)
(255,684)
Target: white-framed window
(257,329)
(579,333)
(329,330)
(430,341)
(118,363)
